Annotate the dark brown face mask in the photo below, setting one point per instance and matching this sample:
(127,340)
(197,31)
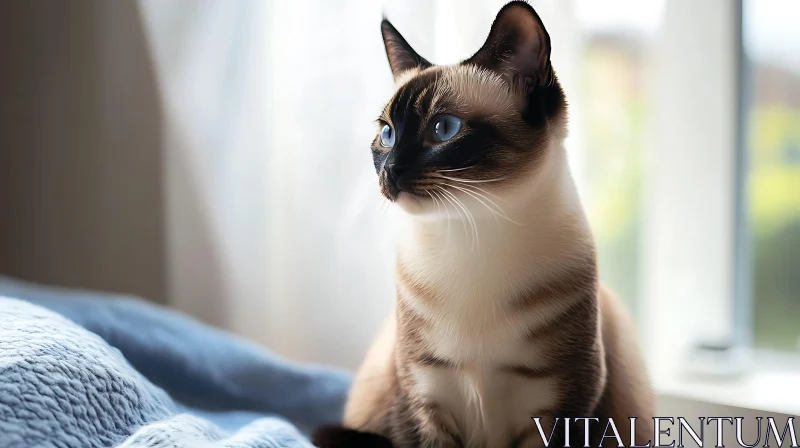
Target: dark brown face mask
(488,117)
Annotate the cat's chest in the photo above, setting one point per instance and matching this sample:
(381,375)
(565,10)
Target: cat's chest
(483,337)
(484,406)
(493,387)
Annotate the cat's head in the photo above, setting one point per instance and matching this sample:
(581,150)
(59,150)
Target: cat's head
(472,130)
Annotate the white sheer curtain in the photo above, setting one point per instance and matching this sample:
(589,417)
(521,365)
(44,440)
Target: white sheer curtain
(275,230)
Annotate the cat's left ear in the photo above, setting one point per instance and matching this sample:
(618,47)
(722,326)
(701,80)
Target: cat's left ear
(518,47)
(401,56)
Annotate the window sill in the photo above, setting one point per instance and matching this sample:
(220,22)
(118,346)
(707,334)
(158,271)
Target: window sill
(769,391)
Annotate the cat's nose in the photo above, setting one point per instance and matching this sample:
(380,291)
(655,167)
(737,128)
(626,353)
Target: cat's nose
(394,173)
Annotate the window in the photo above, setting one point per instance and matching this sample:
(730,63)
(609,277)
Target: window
(772,46)
(615,112)
(702,243)
(721,244)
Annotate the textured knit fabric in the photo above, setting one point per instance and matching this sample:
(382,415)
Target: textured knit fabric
(81,369)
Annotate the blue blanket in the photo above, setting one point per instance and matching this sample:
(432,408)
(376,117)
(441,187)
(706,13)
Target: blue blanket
(81,369)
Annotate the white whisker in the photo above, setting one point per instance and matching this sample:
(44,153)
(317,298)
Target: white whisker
(468,181)
(499,210)
(434,200)
(474,187)
(469,216)
(383,204)
(455,169)
(447,195)
(433,195)
(494,213)
(474,224)
(448,215)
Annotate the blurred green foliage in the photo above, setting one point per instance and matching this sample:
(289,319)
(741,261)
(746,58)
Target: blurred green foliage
(774,194)
(616,114)
(615,111)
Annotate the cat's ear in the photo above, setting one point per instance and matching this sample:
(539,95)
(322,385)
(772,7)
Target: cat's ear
(518,47)
(401,56)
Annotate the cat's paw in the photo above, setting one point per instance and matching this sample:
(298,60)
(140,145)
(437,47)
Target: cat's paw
(340,437)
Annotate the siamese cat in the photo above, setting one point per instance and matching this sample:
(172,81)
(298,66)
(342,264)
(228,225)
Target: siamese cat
(500,316)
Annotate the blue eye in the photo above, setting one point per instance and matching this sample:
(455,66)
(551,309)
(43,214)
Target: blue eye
(387,136)
(445,128)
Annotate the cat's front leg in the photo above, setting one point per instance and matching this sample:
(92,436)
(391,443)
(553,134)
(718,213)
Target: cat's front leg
(425,425)
(436,429)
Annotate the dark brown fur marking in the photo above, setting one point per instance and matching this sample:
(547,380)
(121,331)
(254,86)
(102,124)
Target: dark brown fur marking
(340,437)
(564,321)
(579,279)
(415,287)
(529,372)
(431,360)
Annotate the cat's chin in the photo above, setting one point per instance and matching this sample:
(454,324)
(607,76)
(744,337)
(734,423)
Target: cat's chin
(415,205)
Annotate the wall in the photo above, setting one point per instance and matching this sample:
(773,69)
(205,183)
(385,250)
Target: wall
(81,190)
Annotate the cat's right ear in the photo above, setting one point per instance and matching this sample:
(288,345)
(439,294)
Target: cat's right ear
(518,47)
(401,56)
